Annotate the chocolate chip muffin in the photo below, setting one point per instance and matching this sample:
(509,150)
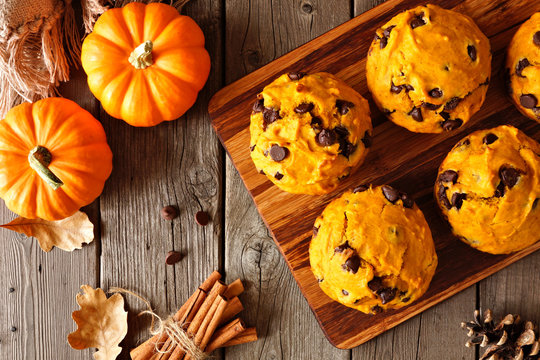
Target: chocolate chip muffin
(523,68)
(372,250)
(308,131)
(488,188)
(428,69)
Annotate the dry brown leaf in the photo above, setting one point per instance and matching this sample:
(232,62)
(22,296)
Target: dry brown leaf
(101,323)
(67,234)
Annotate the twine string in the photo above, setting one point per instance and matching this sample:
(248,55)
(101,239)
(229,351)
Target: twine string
(173,329)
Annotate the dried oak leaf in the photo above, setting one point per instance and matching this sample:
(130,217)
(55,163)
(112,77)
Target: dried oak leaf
(101,323)
(67,234)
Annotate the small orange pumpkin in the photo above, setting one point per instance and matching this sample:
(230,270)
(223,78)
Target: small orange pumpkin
(54,159)
(145,63)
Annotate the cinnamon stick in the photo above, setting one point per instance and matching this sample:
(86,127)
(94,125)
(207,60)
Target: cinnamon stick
(234,307)
(248,335)
(234,289)
(225,334)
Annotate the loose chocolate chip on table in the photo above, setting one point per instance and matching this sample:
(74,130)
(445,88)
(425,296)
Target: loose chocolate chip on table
(509,176)
(352,264)
(315,231)
(387,295)
(471,50)
(431,106)
(341,248)
(452,104)
(270,115)
(278,176)
(202,218)
(522,64)
(499,191)
(326,137)
(296,75)
(367,140)
(13,289)
(375,284)
(395,89)
(416,114)
(304,108)
(343,106)
(457,199)
(448,176)
(169,212)
(534,205)
(528,101)
(383,43)
(258,106)
(536,38)
(173,257)
(450,124)
(345,292)
(443,198)
(252,147)
(390,193)
(407,201)
(418,21)
(278,153)
(376,309)
(13,329)
(490,138)
(436,93)
(360,188)
(316,121)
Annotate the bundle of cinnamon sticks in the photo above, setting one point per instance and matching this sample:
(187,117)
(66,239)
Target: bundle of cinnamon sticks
(209,319)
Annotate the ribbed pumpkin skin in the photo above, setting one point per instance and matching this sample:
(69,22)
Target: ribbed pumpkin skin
(163,91)
(81,158)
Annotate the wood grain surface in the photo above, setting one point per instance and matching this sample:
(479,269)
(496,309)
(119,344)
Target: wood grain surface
(342,51)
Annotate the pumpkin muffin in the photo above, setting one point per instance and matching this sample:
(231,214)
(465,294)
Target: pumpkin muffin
(372,250)
(308,132)
(488,188)
(523,68)
(428,69)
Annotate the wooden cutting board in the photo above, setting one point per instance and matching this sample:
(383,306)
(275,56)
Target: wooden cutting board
(406,160)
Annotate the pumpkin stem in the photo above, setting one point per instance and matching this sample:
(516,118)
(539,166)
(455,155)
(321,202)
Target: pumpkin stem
(141,57)
(39,159)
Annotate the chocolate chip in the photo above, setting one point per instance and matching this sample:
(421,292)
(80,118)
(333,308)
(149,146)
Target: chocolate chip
(407,299)
(528,101)
(431,106)
(375,284)
(457,199)
(169,212)
(395,89)
(326,137)
(390,193)
(471,50)
(13,289)
(522,64)
(173,257)
(388,112)
(262,172)
(450,124)
(304,108)
(448,176)
(418,21)
(534,205)
(388,30)
(509,176)
(452,104)
(416,114)
(343,106)
(376,309)
(360,188)
(341,131)
(252,147)
(367,140)
(315,231)
(536,38)
(444,115)
(316,122)
(499,191)
(341,248)
(352,264)
(346,148)
(408,87)
(202,218)
(383,43)
(387,295)
(345,292)
(270,115)
(490,138)
(13,329)
(443,198)
(436,93)
(465,142)
(278,153)
(278,176)
(258,106)
(296,75)
(407,201)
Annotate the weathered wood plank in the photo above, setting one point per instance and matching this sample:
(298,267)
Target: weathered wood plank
(256,33)
(177,163)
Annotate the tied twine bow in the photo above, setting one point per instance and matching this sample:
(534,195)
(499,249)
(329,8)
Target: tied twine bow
(173,329)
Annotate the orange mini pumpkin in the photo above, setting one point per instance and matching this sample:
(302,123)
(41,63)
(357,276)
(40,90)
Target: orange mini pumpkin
(145,63)
(54,159)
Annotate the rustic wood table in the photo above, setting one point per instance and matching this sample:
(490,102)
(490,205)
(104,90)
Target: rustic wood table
(182,163)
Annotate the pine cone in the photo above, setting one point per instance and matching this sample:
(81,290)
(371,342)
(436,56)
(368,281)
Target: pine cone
(511,339)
